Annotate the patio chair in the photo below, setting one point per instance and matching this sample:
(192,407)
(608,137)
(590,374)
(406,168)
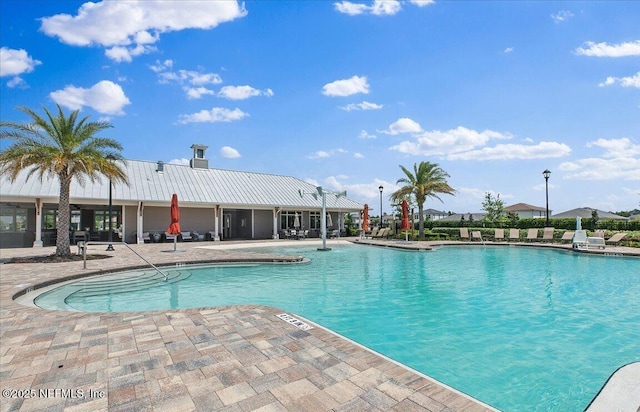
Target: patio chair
(514,234)
(567,236)
(499,234)
(476,234)
(304,234)
(334,234)
(373,233)
(146,237)
(382,233)
(169,237)
(464,233)
(532,234)
(615,239)
(186,236)
(547,235)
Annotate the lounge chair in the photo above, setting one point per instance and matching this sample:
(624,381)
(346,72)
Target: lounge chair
(382,233)
(532,234)
(499,235)
(514,234)
(303,234)
(464,233)
(146,237)
(615,239)
(186,236)
(374,233)
(598,233)
(476,234)
(567,236)
(334,234)
(547,235)
(169,237)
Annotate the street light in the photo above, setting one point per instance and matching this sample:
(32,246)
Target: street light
(546,175)
(380,189)
(110,246)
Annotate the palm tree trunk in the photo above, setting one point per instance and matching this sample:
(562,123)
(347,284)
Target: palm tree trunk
(420,221)
(63,247)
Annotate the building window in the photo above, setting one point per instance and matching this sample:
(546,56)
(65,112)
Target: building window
(13,219)
(314,220)
(199,154)
(101,220)
(288,220)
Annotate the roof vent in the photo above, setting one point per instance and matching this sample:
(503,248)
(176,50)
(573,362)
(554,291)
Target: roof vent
(160,167)
(199,161)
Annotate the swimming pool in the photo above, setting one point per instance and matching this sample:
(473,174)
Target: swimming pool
(518,328)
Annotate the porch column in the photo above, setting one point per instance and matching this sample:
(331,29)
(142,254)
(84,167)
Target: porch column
(253,223)
(216,225)
(275,223)
(139,223)
(38,241)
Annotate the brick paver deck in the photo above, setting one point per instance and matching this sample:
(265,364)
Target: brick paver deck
(233,358)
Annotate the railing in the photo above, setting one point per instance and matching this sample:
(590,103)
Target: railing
(83,246)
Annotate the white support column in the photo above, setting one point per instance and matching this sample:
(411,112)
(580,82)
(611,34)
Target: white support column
(139,223)
(221,220)
(253,224)
(216,224)
(123,225)
(38,241)
(275,223)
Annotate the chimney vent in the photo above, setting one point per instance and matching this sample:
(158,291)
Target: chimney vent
(160,167)
(199,161)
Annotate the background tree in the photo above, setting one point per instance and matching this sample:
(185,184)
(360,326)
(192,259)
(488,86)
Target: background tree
(494,207)
(427,180)
(64,148)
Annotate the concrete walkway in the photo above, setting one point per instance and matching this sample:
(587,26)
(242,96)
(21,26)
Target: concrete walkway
(235,358)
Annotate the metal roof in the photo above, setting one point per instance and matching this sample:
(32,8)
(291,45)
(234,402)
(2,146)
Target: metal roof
(194,187)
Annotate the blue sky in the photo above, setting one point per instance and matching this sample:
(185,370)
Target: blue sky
(341,93)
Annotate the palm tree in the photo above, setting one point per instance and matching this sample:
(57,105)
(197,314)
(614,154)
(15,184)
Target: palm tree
(62,147)
(427,180)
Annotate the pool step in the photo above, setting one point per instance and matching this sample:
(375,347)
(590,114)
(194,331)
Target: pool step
(121,285)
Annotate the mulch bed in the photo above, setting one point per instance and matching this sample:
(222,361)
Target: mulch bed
(54,259)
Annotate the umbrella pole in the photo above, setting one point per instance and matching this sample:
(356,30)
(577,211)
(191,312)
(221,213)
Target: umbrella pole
(175,242)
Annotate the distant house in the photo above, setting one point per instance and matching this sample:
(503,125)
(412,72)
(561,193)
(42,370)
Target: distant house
(456,217)
(523,210)
(587,212)
(432,214)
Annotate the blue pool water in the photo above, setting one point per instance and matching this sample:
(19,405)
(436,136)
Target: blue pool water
(518,328)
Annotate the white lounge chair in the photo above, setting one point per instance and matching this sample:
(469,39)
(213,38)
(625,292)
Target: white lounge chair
(547,235)
(532,234)
(499,234)
(514,234)
(476,234)
(464,233)
(567,236)
(186,236)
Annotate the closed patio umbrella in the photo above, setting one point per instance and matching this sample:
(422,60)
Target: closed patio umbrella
(174,227)
(329,220)
(296,221)
(405,219)
(365,218)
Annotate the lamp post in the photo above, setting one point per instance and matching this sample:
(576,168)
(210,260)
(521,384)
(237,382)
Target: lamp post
(380,188)
(546,175)
(110,246)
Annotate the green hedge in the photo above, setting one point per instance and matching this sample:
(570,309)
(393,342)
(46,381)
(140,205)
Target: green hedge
(528,223)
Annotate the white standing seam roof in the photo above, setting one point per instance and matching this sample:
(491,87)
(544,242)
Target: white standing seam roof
(194,187)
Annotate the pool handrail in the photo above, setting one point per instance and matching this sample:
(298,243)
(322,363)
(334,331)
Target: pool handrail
(84,254)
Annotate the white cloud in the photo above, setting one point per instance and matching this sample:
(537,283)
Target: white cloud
(358,155)
(630,81)
(362,106)
(182,162)
(620,160)
(466,144)
(17,82)
(229,152)
(197,92)
(129,28)
(402,125)
(542,150)
(561,16)
(609,50)
(346,87)
(312,181)
(14,62)
(104,97)
(320,154)
(215,115)
(508,50)
(422,3)
(365,135)
(378,7)
(193,83)
(242,92)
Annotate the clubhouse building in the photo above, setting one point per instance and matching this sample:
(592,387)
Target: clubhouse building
(216,204)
